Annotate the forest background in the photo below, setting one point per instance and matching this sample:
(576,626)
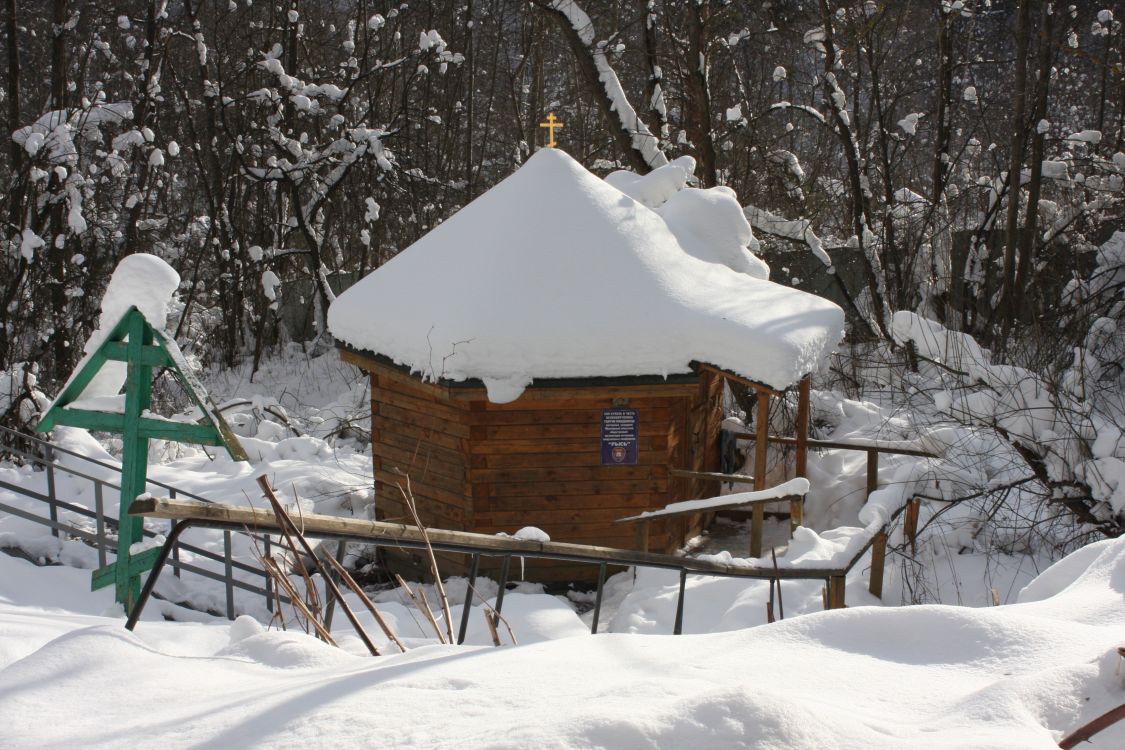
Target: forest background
(275,152)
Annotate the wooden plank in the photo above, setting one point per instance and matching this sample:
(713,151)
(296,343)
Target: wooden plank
(416,452)
(420,404)
(592,517)
(891,448)
(759,387)
(423,435)
(566,393)
(563,416)
(586,446)
(714,476)
(423,421)
(592,400)
(80,379)
(388,492)
(432,513)
(585,459)
(153,356)
(531,503)
(389,377)
(574,533)
(433,510)
(591,430)
(392,465)
(568,474)
(421,479)
(627,486)
(146,427)
(734,505)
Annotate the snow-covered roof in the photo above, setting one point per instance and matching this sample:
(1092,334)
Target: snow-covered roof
(555,273)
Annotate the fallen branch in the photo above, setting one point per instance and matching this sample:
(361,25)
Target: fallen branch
(1088,730)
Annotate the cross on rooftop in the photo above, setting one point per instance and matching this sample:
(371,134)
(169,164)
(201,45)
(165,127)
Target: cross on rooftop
(551,124)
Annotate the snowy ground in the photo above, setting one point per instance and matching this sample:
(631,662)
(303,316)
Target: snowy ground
(1015,676)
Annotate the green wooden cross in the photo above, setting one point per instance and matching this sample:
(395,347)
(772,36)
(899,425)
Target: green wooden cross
(142,348)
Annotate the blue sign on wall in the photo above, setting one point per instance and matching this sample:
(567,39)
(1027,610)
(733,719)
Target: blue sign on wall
(619,437)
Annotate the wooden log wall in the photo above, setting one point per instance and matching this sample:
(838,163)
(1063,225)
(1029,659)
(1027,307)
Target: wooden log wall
(479,466)
(540,462)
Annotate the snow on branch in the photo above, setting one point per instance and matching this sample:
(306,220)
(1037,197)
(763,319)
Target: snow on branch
(792,229)
(56,129)
(642,140)
(1053,423)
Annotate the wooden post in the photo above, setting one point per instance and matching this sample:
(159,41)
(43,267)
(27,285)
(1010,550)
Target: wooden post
(761,448)
(836,592)
(910,522)
(797,506)
(878,561)
(642,535)
(872,470)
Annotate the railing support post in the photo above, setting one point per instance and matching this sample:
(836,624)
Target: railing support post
(504,567)
(878,561)
(598,600)
(797,506)
(157,566)
(836,592)
(468,606)
(872,470)
(49,455)
(910,523)
(330,609)
(679,626)
(228,574)
(761,456)
(642,535)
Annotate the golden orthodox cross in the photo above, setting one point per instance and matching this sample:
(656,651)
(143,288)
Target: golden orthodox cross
(551,124)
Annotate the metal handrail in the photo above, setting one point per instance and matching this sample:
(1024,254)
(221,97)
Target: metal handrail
(103,538)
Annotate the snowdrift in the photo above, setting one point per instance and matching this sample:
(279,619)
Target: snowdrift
(1016,676)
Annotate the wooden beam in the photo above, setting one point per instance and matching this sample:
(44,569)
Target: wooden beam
(759,387)
(315,524)
(761,455)
(878,561)
(153,356)
(742,505)
(910,522)
(891,448)
(836,596)
(713,476)
(147,427)
(872,471)
(797,507)
(642,536)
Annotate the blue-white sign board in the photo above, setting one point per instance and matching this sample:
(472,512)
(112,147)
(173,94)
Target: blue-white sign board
(619,437)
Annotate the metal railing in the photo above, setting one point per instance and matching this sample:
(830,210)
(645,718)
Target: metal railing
(67,518)
(236,520)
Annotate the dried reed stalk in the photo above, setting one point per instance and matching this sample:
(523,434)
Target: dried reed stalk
(423,607)
(408,496)
(347,578)
(290,530)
